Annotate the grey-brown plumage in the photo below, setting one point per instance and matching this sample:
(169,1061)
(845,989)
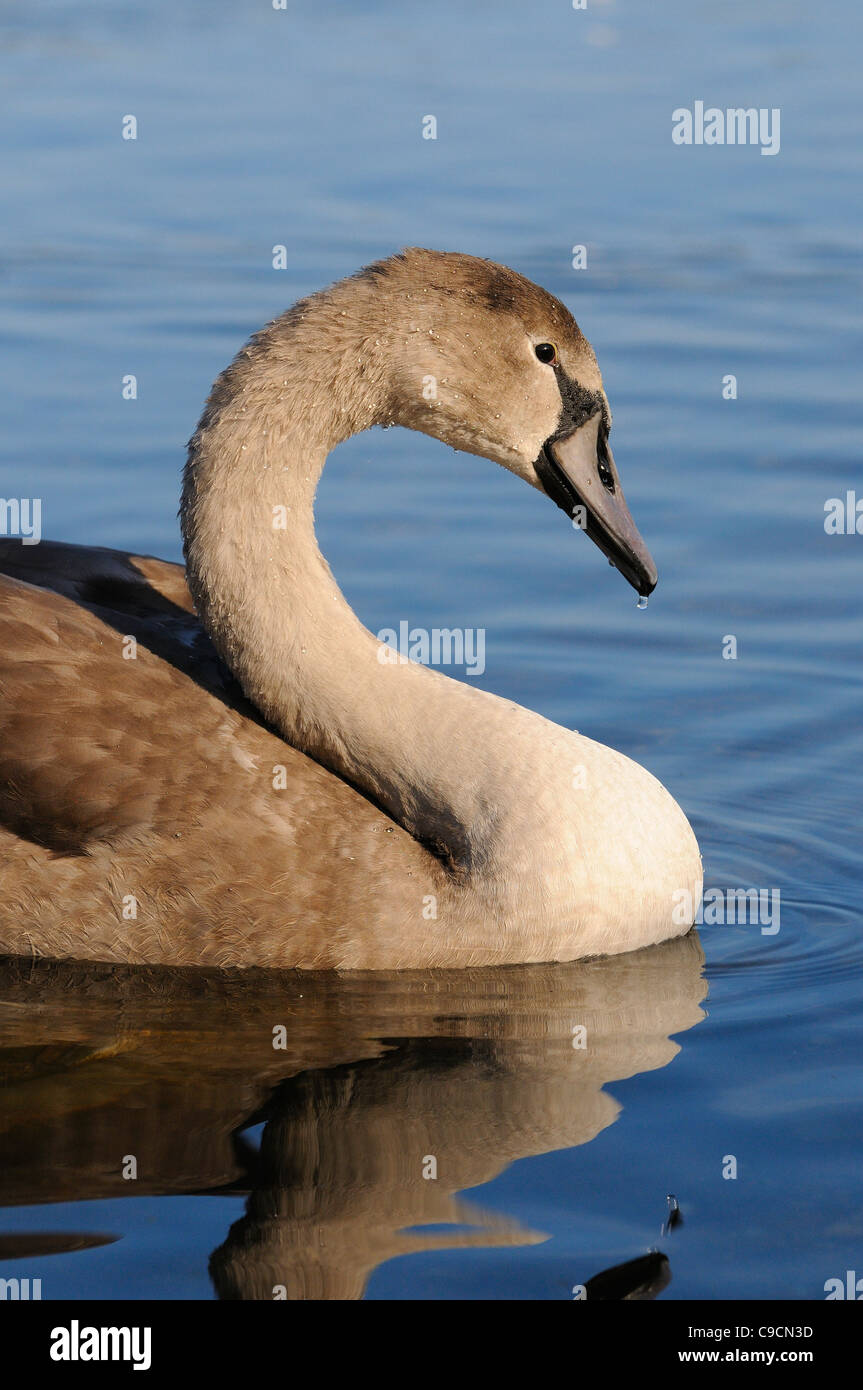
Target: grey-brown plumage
(318,806)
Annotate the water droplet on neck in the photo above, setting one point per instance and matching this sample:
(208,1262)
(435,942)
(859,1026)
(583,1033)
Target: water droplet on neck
(642,601)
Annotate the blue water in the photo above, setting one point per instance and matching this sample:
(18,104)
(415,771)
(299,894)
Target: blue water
(154,257)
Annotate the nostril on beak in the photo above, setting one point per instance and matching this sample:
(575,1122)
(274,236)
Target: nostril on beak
(606,477)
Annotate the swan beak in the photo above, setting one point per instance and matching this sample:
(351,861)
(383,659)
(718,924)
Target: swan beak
(578,472)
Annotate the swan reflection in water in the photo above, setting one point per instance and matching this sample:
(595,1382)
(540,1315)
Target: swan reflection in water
(382,1079)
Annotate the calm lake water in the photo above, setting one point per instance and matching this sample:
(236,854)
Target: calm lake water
(303,128)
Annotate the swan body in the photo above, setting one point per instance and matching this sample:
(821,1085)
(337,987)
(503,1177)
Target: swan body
(257,786)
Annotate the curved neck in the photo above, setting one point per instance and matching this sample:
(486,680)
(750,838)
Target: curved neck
(412,740)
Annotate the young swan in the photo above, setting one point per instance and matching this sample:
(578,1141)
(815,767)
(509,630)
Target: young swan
(416,821)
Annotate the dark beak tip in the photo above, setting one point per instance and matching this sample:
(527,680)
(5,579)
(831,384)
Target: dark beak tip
(648,582)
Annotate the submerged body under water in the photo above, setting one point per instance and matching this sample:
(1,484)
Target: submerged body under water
(515,1133)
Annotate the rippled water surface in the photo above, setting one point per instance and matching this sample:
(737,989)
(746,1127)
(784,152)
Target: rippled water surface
(302,128)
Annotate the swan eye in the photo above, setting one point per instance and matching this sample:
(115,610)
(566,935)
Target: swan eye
(547,353)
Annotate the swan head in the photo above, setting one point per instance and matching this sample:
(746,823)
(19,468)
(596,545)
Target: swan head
(492,364)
